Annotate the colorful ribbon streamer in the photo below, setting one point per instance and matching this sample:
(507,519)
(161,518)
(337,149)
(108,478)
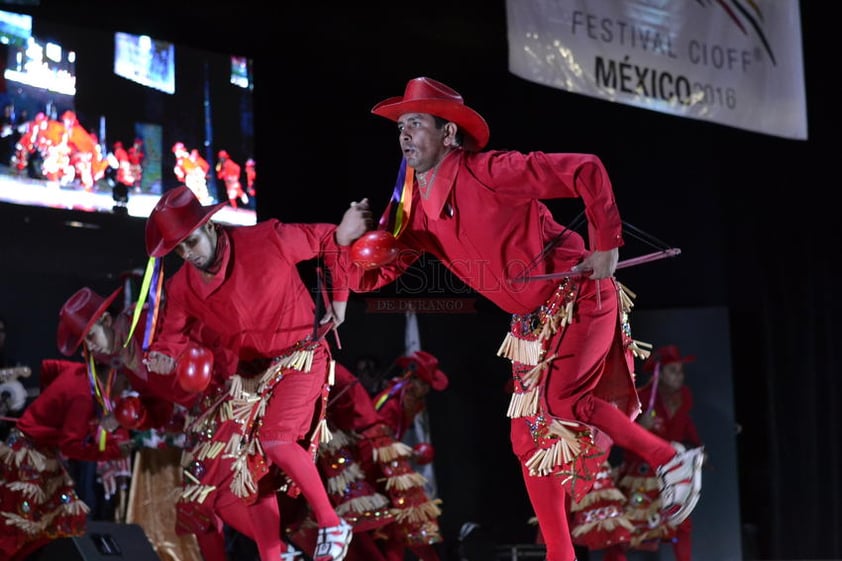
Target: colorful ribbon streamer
(391,392)
(397,213)
(101,396)
(655,379)
(152,284)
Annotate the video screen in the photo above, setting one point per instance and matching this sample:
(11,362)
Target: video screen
(147,61)
(107,121)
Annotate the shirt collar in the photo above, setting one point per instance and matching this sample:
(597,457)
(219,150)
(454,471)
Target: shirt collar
(442,178)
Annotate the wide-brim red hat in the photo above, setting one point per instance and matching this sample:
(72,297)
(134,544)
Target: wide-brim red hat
(426,367)
(177,214)
(78,315)
(425,95)
(666,355)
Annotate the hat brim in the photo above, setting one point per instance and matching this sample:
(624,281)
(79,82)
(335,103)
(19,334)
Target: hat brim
(439,381)
(649,364)
(162,246)
(471,123)
(68,342)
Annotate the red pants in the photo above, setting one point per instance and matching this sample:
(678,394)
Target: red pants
(589,381)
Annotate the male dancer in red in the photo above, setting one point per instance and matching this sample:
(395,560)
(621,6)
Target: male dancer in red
(481,215)
(242,284)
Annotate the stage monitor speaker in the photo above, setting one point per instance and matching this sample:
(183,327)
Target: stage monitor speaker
(103,541)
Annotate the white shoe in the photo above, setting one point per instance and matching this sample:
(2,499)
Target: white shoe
(681,483)
(333,542)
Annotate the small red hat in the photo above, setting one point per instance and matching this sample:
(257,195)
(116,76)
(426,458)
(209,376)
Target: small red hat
(176,216)
(223,155)
(425,95)
(666,355)
(78,315)
(426,367)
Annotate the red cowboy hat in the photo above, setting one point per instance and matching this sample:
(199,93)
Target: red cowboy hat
(78,315)
(425,95)
(177,214)
(426,367)
(666,355)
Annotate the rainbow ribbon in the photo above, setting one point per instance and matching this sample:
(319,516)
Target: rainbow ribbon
(396,215)
(381,399)
(150,288)
(655,378)
(102,398)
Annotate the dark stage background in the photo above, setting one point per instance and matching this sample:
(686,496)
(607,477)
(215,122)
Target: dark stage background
(752,214)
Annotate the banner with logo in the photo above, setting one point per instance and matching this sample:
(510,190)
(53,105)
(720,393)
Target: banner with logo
(733,62)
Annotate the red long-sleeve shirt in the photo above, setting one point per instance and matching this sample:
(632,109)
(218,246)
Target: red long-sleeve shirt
(64,416)
(483,219)
(257,305)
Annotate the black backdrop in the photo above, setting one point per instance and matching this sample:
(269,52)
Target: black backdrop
(753,215)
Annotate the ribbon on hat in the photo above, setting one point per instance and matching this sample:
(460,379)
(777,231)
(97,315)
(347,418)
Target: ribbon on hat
(101,396)
(152,284)
(396,215)
(385,395)
(655,378)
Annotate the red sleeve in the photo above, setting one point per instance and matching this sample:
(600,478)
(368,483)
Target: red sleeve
(539,175)
(64,416)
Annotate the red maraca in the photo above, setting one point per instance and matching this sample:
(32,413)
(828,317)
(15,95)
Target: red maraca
(424,453)
(130,412)
(194,368)
(374,249)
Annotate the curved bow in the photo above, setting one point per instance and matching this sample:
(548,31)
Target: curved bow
(663,252)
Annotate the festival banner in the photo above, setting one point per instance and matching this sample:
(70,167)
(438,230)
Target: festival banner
(733,62)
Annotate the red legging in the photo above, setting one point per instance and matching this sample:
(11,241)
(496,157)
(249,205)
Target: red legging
(548,500)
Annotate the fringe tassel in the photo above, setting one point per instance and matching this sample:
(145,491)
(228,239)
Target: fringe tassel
(521,350)
(627,297)
(337,484)
(606,495)
(421,513)
(640,349)
(197,493)
(523,404)
(340,439)
(562,451)
(28,526)
(243,483)
(606,525)
(324,432)
(645,484)
(209,449)
(363,504)
(301,359)
(27,455)
(33,492)
(535,375)
(396,450)
(235,390)
(404,482)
